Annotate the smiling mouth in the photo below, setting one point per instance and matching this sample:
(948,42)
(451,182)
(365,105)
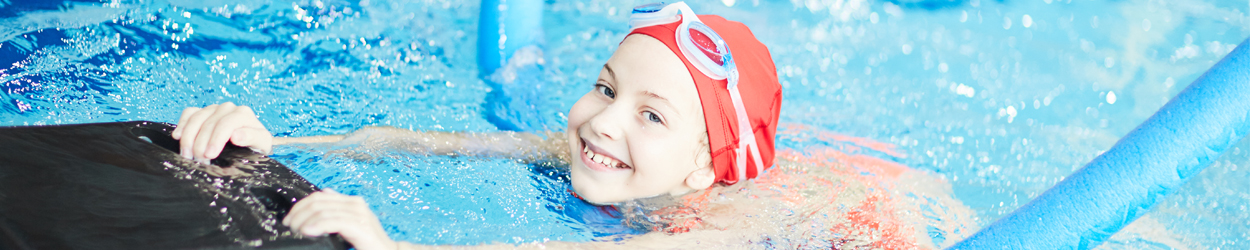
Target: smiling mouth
(603,159)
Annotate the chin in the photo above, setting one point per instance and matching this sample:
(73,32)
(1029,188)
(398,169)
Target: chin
(584,189)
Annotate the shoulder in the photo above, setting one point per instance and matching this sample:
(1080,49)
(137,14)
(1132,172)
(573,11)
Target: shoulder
(838,198)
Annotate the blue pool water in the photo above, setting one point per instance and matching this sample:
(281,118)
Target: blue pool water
(1002,99)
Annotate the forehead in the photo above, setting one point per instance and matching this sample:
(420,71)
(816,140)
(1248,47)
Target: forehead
(643,64)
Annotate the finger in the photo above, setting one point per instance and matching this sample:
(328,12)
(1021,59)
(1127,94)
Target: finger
(191,128)
(348,219)
(223,131)
(318,211)
(327,222)
(303,209)
(206,132)
(254,134)
(317,202)
(257,139)
(328,212)
(305,225)
(186,113)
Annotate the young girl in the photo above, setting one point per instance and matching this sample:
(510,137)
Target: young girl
(682,115)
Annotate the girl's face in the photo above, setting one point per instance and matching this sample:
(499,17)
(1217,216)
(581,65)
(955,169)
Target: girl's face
(640,132)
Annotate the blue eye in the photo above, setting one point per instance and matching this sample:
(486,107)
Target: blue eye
(651,116)
(605,90)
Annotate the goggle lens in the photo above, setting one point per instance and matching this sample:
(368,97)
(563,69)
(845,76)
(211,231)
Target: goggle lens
(708,46)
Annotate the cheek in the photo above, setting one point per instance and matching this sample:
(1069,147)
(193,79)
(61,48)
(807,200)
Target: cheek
(670,155)
(581,111)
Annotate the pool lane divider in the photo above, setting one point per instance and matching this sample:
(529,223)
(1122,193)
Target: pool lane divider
(1122,184)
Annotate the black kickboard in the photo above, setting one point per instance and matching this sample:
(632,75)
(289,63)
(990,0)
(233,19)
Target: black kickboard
(123,186)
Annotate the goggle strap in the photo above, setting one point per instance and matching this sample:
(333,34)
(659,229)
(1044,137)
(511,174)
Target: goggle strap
(759,162)
(746,135)
(687,14)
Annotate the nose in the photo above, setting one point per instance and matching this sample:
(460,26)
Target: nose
(608,123)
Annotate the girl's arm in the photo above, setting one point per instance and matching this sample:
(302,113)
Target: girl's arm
(203,132)
(328,212)
(523,146)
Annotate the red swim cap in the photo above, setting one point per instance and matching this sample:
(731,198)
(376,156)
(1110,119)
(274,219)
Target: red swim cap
(757,82)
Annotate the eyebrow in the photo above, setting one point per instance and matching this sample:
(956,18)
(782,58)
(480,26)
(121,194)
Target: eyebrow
(666,101)
(610,72)
(653,95)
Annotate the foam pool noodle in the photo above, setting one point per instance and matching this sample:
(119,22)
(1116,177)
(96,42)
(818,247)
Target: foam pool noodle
(1122,184)
(510,60)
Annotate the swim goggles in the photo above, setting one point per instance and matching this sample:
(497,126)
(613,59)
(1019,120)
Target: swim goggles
(709,53)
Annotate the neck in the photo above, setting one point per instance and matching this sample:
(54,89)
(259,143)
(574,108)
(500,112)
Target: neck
(663,212)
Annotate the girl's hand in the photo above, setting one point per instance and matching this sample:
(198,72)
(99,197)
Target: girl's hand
(203,132)
(328,212)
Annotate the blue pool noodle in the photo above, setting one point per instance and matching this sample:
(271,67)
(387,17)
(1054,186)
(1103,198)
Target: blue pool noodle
(1178,141)
(516,101)
(505,26)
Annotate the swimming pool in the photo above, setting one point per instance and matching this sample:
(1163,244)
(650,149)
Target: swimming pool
(1003,99)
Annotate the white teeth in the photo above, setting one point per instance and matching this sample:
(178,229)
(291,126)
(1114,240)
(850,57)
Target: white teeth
(609,162)
(601,159)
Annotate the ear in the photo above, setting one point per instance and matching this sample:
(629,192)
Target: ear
(701,178)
